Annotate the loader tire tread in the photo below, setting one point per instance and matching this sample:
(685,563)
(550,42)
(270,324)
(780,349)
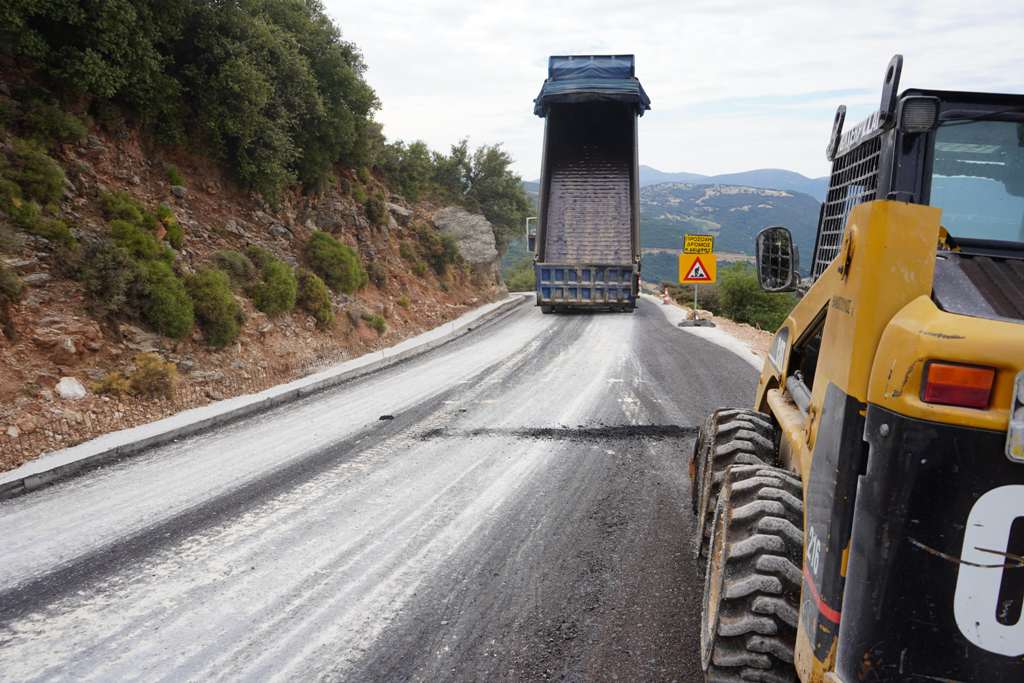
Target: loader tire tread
(753,577)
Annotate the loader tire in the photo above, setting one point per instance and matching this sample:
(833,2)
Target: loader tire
(752,584)
(729,436)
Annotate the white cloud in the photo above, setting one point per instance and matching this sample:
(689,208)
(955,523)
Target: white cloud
(734,85)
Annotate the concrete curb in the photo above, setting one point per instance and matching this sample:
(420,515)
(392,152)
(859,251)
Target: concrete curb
(63,464)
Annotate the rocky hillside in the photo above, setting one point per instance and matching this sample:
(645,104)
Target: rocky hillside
(734,214)
(99,266)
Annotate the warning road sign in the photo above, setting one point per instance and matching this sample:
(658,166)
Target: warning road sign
(697,269)
(698,244)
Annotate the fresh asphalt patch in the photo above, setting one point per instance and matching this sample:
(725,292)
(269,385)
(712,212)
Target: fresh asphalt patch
(578,434)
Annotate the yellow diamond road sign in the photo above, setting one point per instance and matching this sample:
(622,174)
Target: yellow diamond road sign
(698,244)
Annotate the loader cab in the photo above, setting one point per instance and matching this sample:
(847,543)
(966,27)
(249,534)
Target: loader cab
(961,152)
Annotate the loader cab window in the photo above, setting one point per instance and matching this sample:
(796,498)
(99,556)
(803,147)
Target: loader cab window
(978,179)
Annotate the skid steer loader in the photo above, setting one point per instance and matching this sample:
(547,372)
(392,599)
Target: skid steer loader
(865,521)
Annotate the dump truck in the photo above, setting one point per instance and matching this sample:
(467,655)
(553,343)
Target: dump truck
(864,520)
(587,241)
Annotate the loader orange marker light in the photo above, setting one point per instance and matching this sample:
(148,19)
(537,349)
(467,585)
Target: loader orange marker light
(969,386)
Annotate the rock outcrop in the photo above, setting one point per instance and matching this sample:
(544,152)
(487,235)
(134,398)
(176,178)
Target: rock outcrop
(474,235)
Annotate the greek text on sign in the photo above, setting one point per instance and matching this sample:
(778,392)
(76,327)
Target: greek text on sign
(695,269)
(698,244)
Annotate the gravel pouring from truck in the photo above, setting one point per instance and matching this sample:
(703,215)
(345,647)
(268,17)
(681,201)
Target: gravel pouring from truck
(588,240)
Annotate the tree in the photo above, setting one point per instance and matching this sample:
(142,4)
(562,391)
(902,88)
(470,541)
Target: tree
(497,192)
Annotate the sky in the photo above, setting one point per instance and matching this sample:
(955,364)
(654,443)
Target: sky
(734,85)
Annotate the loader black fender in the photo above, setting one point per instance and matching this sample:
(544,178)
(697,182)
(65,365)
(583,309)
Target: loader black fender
(752,583)
(728,436)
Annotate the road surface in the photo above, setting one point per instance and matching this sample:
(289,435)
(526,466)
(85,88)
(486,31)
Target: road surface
(520,512)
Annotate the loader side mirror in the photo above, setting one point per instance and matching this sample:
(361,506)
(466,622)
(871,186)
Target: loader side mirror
(778,261)
(531,234)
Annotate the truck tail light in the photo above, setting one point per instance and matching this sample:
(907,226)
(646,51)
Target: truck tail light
(949,384)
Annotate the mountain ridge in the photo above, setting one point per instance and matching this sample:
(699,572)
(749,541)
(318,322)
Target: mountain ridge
(761,178)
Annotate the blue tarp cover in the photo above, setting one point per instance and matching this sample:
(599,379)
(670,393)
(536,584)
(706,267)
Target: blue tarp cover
(585,78)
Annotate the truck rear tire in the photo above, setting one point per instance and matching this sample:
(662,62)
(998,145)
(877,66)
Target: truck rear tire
(752,585)
(547,310)
(729,436)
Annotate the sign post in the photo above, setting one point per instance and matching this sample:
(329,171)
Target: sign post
(697,263)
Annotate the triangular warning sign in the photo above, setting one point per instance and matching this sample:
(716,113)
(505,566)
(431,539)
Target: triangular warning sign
(697,271)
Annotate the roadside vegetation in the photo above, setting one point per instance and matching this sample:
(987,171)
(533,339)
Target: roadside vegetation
(480,180)
(270,91)
(270,86)
(521,276)
(738,296)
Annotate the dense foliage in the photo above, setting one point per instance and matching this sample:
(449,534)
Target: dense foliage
(218,314)
(521,277)
(482,181)
(270,85)
(277,289)
(337,263)
(315,298)
(11,288)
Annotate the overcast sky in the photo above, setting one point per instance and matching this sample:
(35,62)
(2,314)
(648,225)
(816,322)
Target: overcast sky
(734,85)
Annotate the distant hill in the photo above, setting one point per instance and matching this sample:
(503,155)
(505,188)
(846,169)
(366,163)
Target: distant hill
(652,176)
(734,214)
(765,178)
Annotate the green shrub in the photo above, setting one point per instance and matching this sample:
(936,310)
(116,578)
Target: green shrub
(376,322)
(53,229)
(376,211)
(174,176)
(109,117)
(336,263)
(521,277)
(742,299)
(359,194)
(218,314)
(175,235)
(49,124)
(39,177)
(107,272)
(407,251)
(440,250)
(11,289)
(165,303)
(153,377)
(276,292)
(28,217)
(112,384)
(259,256)
(239,268)
(404,301)
(121,205)
(140,243)
(364,175)
(315,298)
(419,268)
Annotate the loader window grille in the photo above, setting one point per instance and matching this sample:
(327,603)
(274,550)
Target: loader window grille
(854,180)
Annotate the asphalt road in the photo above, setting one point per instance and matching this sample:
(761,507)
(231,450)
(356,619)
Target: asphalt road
(522,515)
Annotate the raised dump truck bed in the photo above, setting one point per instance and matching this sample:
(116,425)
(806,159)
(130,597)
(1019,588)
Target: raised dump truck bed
(588,245)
